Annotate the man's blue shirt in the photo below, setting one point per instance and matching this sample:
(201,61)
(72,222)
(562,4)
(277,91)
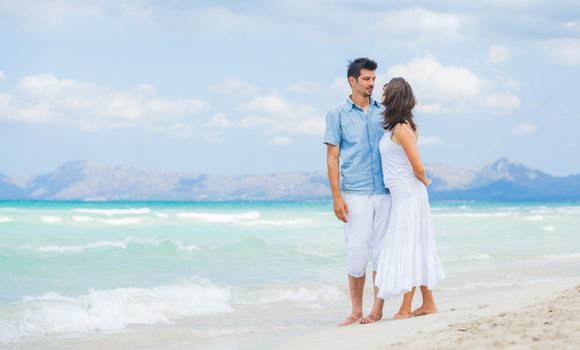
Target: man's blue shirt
(357,134)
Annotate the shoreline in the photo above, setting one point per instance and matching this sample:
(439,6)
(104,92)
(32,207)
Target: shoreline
(476,321)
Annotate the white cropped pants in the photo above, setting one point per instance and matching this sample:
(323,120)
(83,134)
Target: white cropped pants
(365,230)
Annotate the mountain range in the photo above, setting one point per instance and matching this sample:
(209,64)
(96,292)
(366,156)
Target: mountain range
(503,180)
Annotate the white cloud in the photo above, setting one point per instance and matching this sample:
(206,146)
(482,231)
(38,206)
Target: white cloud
(566,51)
(49,86)
(273,114)
(525,129)
(428,77)
(37,113)
(512,4)
(5,102)
(207,20)
(48,99)
(1,75)
(280,140)
(442,88)
(50,14)
(498,54)
(430,141)
(213,131)
(421,23)
(271,104)
(306,19)
(219,120)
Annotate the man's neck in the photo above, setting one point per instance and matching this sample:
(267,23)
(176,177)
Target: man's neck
(361,101)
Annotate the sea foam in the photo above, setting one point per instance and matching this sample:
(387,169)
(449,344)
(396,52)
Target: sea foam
(162,215)
(81,218)
(535,218)
(4,219)
(124,244)
(111,309)
(54,248)
(121,221)
(565,256)
(297,221)
(111,212)
(219,217)
(51,219)
(476,215)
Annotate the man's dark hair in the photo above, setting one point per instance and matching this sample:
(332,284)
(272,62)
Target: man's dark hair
(354,67)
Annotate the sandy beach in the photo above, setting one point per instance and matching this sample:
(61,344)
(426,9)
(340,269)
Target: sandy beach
(538,316)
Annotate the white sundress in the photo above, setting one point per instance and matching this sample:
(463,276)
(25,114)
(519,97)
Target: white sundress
(409,256)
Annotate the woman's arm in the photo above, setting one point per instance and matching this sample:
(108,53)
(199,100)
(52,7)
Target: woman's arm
(407,139)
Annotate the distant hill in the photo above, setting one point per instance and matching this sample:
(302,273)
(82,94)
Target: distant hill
(503,180)
(506,180)
(10,190)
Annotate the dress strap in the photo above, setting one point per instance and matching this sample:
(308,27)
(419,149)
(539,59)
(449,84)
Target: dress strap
(409,130)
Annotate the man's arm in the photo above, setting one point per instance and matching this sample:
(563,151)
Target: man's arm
(332,159)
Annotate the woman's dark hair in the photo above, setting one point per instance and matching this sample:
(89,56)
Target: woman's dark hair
(399,102)
(354,67)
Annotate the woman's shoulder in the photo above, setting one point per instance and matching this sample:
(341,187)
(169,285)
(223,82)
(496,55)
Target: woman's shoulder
(404,129)
(402,126)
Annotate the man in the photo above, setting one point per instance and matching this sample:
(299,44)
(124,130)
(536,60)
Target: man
(353,132)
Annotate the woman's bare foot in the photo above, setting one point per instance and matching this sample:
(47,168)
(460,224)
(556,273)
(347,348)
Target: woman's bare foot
(350,319)
(425,310)
(371,318)
(401,315)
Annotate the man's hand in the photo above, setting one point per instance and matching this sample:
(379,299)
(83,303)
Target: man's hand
(340,209)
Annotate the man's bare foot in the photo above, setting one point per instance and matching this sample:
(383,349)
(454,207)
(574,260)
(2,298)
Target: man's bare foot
(352,318)
(401,315)
(371,318)
(425,310)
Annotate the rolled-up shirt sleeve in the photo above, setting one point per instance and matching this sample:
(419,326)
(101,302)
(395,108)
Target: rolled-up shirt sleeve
(332,135)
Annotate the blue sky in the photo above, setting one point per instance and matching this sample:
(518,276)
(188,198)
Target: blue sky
(243,87)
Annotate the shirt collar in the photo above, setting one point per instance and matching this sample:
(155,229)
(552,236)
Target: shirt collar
(349,104)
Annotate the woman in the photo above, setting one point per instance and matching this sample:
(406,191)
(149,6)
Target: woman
(409,258)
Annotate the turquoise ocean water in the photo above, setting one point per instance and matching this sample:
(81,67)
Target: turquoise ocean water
(236,275)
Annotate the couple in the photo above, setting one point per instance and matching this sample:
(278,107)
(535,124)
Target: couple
(382,198)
